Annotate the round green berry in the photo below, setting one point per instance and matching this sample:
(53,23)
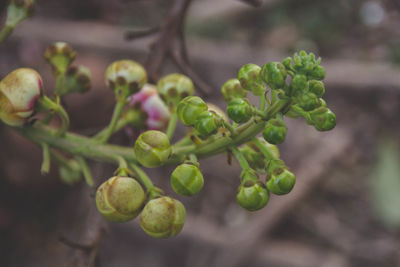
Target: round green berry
(206,124)
(152,148)
(239,110)
(323,119)
(274,74)
(275,131)
(163,217)
(249,77)
(187,179)
(189,109)
(281,181)
(252,195)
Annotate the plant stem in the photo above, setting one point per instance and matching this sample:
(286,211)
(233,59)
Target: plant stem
(103,138)
(46,158)
(47,104)
(172,125)
(240,158)
(86,171)
(266,152)
(262,102)
(60,81)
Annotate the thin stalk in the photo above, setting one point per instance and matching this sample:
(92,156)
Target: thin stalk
(87,174)
(152,191)
(46,158)
(46,104)
(103,138)
(172,125)
(266,152)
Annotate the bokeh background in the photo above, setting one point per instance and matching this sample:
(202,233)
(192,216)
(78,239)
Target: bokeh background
(345,208)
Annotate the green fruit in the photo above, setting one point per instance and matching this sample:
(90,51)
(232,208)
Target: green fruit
(120,199)
(274,74)
(232,89)
(187,180)
(252,195)
(250,79)
(163,217)
(152,148)
(275,131)
(189,109)
(239,110)
(281,181)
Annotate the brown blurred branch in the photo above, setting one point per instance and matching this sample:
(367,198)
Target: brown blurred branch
(255,3)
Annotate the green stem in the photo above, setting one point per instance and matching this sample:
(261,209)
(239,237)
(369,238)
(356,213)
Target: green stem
(86,171)
(240,158)
(5,32)
(47,104)
(229,127)
(46,158)
(122,167)
(152,191)
(172,125)
(266,152)
(262,102)
(273,96)
(103,138)
(132,117)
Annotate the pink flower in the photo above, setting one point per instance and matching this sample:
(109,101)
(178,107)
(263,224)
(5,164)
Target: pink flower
(154,109)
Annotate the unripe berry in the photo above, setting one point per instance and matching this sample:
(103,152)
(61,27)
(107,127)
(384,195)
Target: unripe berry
(126,73)
(120,199)
(163,217)
(189,109)
(281,181)
(274,74)
(187,179)
(317,87)
(19,91)
(252,195)
(175,87)
(239,110)
(250,79)
(275,131)
(232,89)
(323,119)
(60,55)
(152,148)
(206,123)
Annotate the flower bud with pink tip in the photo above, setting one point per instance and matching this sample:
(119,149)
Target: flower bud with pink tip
(19,92)
(155,111)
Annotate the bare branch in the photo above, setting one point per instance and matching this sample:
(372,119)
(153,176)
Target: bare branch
(131,35)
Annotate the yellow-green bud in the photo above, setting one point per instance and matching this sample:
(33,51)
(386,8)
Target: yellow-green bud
(274,74)
(280,181)
(60,55)
(250,79)
(175,87)
(152,148)
(190,108)
(252,195)
(232,89)
(187,179)
(126,73)
(19,91)
(120,199)
(77,79)
(163,217)
(19,10)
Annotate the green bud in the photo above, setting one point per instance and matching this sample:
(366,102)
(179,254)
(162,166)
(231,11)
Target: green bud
(60,55)
(163,217)
(309,101)
(77,79)
(275,131)
(274,74)
(187,180)
(120,199)
(19,10)
(127,73)
(256,158)
(239,110)
(299,84)
(71,173)
(318,73)
(232,89)
(152,148)
(323,119)
(317,87)
(175,87)
(249,77)
(252,195)
(189,109)
(206,123)
(281,181)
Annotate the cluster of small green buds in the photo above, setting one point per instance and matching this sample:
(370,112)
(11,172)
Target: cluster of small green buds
(127,74)
(163,217)
(233,89)
(19,10)
(190,108)
(187,179)
(275,131)
(274,75)
(175,87)
(152,148)
(279,179)
(252,194)
(250,79)
(60,56)
(305,64)
(19,92)
(120,199)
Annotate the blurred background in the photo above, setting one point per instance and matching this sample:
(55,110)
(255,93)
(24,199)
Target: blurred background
(345,208)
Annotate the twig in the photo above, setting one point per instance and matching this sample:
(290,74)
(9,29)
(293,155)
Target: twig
(131,35)
(255,3)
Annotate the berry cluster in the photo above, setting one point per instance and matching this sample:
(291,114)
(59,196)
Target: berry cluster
(291,88)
